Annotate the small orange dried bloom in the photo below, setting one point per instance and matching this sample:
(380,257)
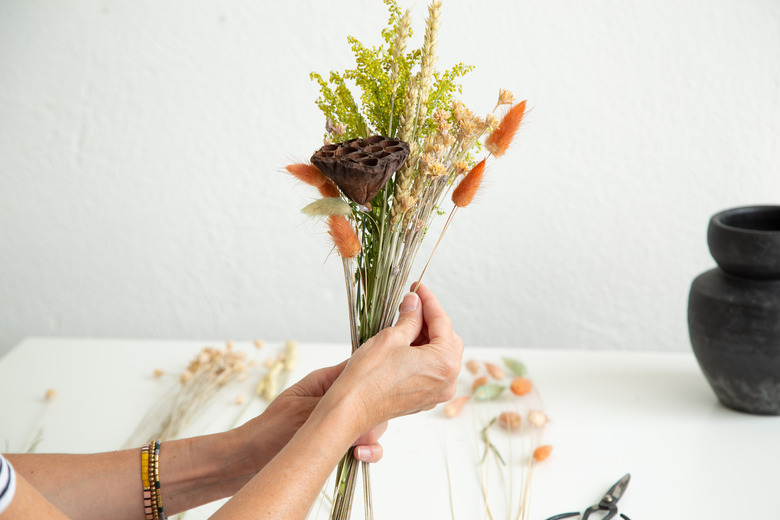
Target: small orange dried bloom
(510,420)
(495,371)
(344,236)
(464,193)
(454,407)
(499,140)
(521,386)
(473,366)
(479,382)
(542,452)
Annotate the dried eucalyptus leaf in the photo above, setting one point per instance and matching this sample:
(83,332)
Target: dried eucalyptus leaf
(518,368)
(488,392)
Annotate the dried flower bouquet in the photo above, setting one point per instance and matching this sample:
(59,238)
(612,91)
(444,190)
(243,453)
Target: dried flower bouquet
(388,163)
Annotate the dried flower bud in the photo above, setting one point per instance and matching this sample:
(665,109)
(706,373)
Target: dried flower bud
(259,343)
(542,452)
(495,371)
(521,386)
(50,394)
(510,420)
(269,362)
(290,355)
(537,418)
(473,366)
(240,399)
(479,382)
(158,373)
(185,376)
(454,407)
(505,97)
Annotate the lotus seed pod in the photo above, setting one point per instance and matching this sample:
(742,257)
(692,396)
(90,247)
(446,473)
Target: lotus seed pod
(361,167)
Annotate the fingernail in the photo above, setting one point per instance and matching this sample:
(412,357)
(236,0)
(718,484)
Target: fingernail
(362,453)
(411,300)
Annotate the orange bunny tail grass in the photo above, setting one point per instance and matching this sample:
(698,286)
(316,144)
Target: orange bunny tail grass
(464,193)
(328,188)
(499,140)
(344,236)
(307,173)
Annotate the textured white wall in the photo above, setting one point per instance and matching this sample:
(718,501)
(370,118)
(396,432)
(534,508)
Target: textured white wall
(140,143)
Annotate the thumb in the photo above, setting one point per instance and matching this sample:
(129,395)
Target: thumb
(410,319)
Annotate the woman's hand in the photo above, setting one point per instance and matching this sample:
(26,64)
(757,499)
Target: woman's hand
(274,428)
(406,368)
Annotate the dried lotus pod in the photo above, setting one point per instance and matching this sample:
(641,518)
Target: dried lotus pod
(361,167)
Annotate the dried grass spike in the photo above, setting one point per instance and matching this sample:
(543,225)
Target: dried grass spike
(344,236)
(499,140)
(307,173)
(464,193)
(327,206)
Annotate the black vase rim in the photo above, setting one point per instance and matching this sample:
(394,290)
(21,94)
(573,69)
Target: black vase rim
(729,219)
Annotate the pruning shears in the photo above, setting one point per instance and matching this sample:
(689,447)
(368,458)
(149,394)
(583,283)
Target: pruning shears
(607,503)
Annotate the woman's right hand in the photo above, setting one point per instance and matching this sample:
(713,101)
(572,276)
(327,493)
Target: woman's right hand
(404,369)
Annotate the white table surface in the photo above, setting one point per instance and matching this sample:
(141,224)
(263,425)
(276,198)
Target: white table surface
(650,414)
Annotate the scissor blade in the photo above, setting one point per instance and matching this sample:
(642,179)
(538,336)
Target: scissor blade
(616,491)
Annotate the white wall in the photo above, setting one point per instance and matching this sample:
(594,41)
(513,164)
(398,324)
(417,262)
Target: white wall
(141,142)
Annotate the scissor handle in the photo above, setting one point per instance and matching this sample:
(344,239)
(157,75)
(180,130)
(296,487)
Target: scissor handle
(601,507)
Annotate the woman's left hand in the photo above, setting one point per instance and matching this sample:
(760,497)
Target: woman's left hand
(274,428)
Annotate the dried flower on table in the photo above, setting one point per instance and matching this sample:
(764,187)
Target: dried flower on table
(473,366)
(521,386)
(50,394)
(495,371)
(542,452)
(537,418)
(481,380)
(510,420)
(453,408)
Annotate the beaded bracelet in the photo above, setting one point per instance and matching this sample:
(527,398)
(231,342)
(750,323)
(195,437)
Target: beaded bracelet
(148,508)
(150,477)
(155,480)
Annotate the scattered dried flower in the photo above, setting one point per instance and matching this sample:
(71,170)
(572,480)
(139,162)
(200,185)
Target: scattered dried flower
(454,407)
(259,343)
(542,452)
(50,394)
(505,97)
(482,380)
(510,420)
(473,366)
(495,371)
(537,418)
(240,399)
(158,373)
(521,386)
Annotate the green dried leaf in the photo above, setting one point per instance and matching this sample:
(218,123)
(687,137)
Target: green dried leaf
(326,207)
(518,368)
(488,392)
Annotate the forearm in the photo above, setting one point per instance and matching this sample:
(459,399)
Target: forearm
(108,485)
(289,484)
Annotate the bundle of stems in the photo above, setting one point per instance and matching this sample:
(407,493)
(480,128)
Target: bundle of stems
(403,97)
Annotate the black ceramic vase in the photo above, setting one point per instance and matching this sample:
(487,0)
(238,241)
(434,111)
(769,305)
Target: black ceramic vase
(734,310)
